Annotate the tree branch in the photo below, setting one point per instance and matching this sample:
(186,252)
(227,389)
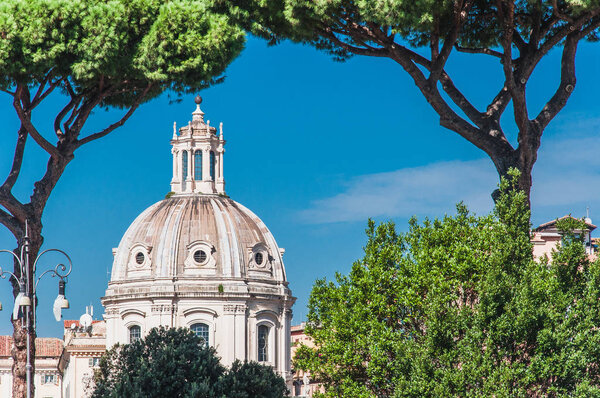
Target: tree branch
(566,86)
(41,94)
(438,63)
(594,24)
(486,51)
(534,37)
(11,179)
(24,117)
(568,79)
(16,208)
(41,87)
(516,89)
(36,101)
(67,123)
(489,143)
(11,223)
(434,40)
(119,123)
(61,115)
(43,188)
(519,42)
(353,49)
(460,100)
(498,105)
(564,31)
(453,92)
(559,14)
(83,113)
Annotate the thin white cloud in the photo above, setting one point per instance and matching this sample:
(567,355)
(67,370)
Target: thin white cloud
(566,179)
(567,174)
(427,190)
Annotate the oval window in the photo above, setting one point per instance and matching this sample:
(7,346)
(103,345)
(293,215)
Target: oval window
(200,256)
(258,258)
(139,258)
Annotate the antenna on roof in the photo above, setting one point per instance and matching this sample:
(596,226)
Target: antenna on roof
(587,215)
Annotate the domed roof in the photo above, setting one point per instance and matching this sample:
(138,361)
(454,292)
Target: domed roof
(197,236)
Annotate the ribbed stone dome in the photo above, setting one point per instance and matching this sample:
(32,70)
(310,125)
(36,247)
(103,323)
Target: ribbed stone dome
(197,236)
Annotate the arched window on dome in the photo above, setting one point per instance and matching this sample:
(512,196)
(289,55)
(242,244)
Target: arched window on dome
(212,165)
(135,333)
(201,330)
(263,343)
(198,165)
(184,164)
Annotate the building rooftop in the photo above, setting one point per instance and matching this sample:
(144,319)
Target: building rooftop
(550,224)
(45,346)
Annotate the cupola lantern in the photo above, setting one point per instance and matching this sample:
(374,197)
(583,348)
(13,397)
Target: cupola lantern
(198,156)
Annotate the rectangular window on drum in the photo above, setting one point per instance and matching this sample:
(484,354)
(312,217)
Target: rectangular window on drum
(212,165)
(263,343)
(198,165)
(184,161)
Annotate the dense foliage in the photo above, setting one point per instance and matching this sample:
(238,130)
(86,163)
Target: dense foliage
(458,307)
(174,363)
(251,379)
(421,36)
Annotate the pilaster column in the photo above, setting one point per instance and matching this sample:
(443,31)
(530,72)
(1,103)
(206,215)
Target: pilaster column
(175,182)
(281,366)
(192,169)
(206,164)
(240,334)
(174,153)
(219,180)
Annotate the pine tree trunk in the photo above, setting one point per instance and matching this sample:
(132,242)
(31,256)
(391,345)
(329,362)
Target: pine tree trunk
(20,326)
(524,164)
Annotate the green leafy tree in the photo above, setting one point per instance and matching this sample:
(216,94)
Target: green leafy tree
(422,35)
(174,363)
(251,379)
(458,307)
(82,55)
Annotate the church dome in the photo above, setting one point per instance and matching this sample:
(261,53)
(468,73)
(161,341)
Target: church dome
(200,260)
(197,235)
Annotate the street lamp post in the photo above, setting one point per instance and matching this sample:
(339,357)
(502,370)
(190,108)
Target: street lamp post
(26,300)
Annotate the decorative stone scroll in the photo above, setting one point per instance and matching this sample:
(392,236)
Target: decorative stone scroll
(260,261)
(200,259)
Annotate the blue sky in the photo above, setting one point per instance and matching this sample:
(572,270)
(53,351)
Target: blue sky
(315,147)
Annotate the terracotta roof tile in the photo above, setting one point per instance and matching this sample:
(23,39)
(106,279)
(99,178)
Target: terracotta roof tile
(45,346)
(68,323)
(48,347)
(5,346)
(543,226)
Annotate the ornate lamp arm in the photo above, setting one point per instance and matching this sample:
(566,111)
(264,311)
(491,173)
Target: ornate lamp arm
(60,270)
(4,273)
